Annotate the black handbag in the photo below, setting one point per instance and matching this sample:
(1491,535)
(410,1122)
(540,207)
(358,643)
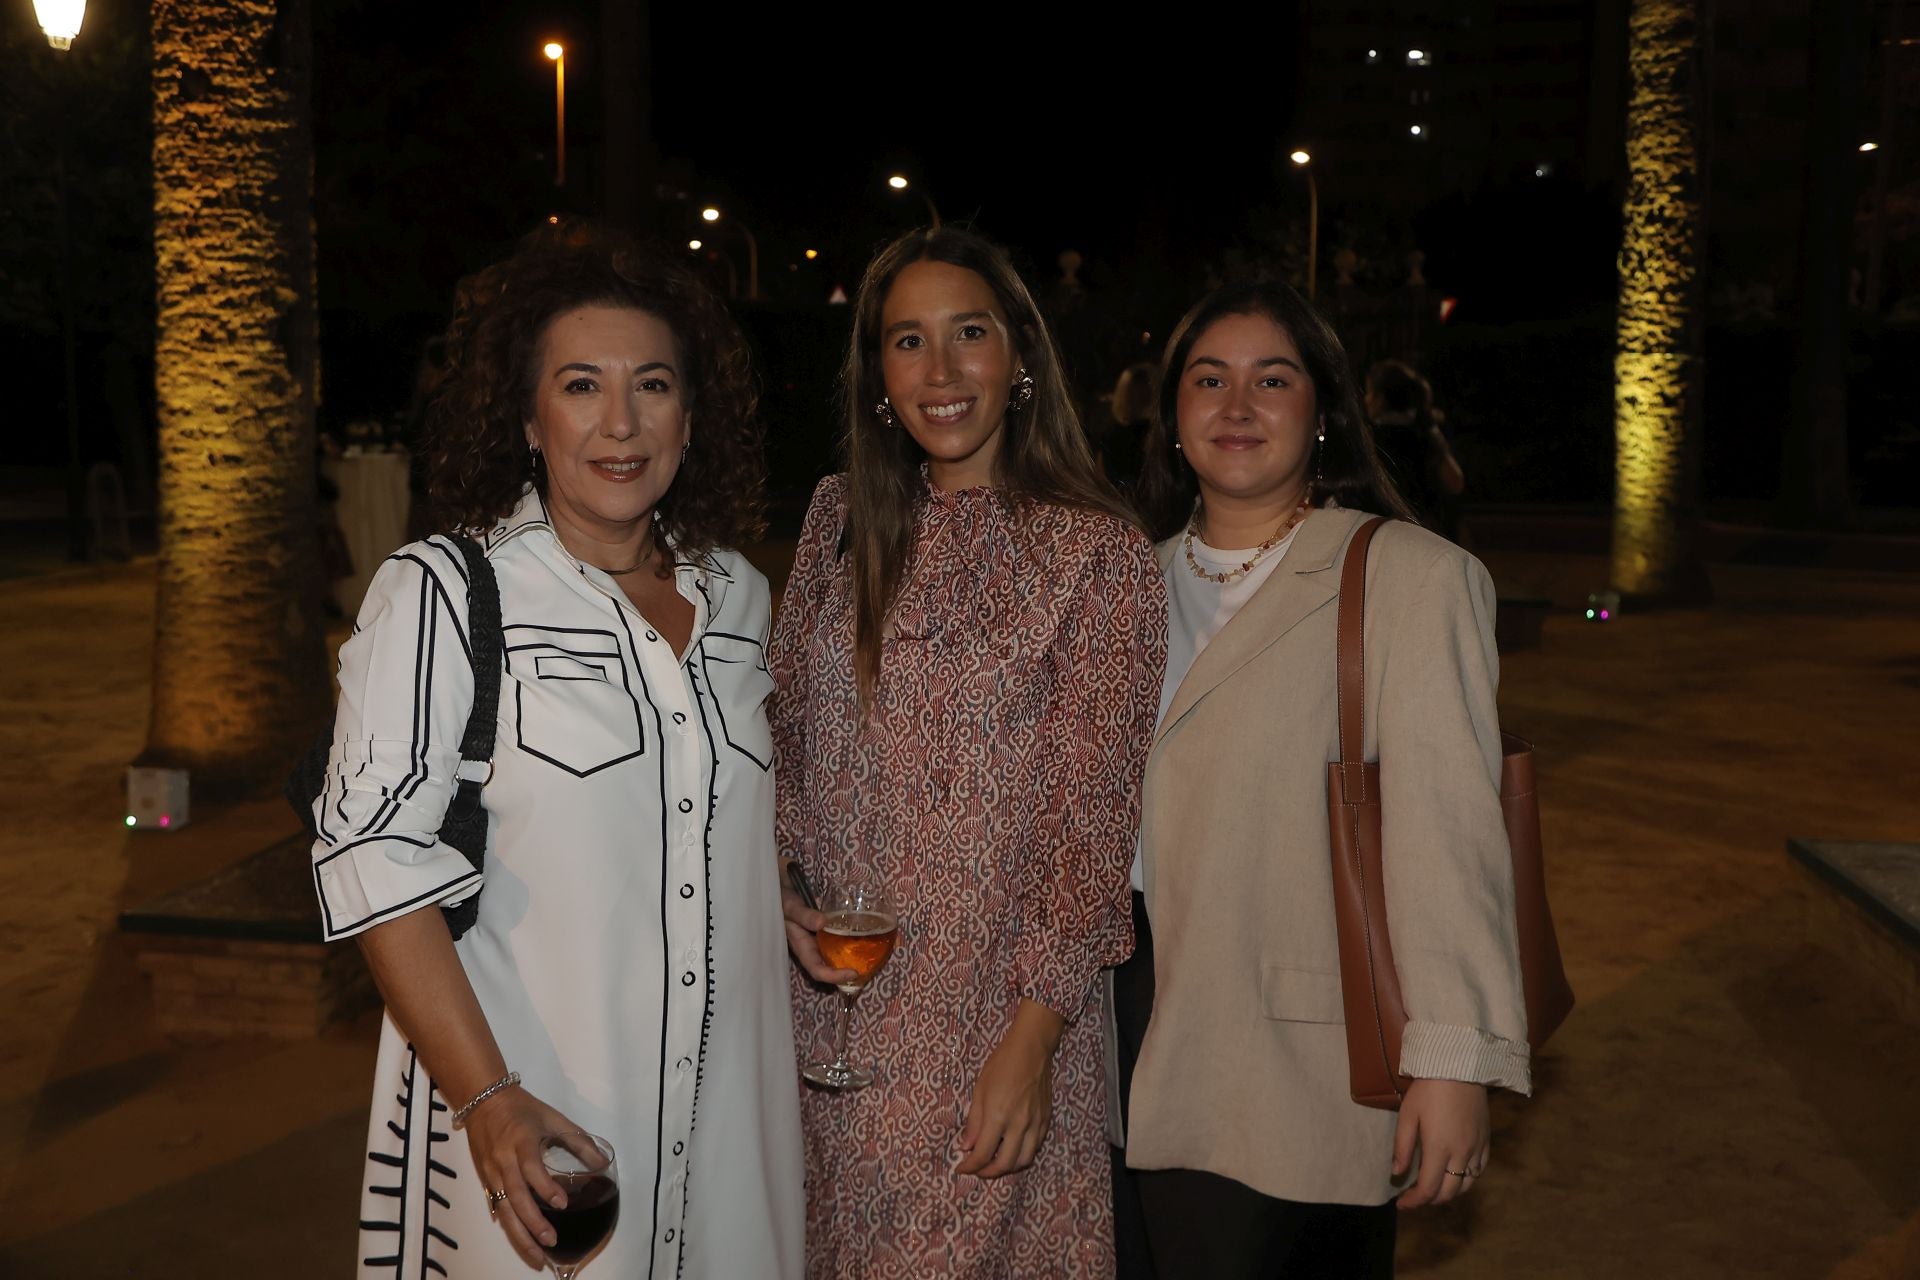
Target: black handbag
(465,825)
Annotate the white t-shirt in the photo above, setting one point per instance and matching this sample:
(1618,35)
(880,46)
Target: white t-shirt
(1198,608)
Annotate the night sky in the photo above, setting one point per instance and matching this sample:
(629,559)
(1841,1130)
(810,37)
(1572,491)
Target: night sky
(1051,127)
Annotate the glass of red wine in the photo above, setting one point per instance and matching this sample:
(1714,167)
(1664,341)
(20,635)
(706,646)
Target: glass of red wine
(583,1166)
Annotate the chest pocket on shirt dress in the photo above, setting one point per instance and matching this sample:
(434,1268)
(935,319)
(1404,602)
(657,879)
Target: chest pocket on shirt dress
(738,682)
(572,707)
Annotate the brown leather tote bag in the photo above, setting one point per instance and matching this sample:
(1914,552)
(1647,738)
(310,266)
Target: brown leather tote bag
(1369,983)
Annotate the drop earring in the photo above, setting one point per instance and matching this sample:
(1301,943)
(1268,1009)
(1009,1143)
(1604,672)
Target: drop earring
(884,412)
(1021,394)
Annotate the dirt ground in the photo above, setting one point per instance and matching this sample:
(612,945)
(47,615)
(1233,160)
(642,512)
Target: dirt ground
(1729,1099)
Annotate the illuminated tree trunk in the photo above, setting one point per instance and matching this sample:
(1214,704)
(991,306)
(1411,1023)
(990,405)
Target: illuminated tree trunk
(1657,361)
(238,666)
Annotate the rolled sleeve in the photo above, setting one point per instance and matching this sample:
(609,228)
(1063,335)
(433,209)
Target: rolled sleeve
(1074,906)
(406,689)
(1434,1051)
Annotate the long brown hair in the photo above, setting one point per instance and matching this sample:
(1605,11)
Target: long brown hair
(1347,467)
(1043,452)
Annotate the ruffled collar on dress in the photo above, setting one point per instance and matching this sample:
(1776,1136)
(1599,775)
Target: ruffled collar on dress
(980,498)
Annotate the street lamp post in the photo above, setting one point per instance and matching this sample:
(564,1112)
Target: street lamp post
(1304,161)
(899,183)
(61,20)
(711,214)
(558,53)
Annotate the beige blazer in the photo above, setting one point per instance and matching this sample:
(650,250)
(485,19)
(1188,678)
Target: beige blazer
(1244,1068)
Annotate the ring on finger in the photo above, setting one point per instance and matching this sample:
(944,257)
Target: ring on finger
(1461,1173)
(493,1202)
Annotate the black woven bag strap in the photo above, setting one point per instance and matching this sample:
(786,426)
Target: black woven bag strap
(483,635)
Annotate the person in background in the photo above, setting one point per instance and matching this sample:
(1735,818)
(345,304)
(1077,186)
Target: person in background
(1249,1157)
(967,659)
(1409,431)
(1131,407)
(624,974)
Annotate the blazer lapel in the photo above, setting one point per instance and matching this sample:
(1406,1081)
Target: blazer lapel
(1300,585)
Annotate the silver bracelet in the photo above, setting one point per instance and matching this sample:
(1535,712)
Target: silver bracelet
(506,1081)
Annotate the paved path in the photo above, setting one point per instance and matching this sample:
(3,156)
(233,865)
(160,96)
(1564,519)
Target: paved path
(1725,1101)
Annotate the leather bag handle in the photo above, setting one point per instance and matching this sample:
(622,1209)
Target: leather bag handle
(1350,633)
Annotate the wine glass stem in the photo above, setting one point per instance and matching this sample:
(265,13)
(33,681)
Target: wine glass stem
(840,1040)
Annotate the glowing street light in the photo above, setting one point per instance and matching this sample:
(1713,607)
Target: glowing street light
(1869,146)
(694,245)
(558,54)
(812,254)
(899,183)
(711,214)
(60,19)
(1303,160)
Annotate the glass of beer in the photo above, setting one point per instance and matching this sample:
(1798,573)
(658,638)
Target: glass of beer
(858,931)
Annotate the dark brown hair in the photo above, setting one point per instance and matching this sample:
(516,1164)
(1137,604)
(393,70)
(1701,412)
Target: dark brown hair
(1347,467)
(477,460)
(1043,452)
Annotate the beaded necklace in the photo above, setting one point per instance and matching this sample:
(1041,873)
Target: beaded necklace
(1287,526)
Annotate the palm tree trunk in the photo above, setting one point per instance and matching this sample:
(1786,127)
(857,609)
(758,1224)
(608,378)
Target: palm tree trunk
(1657,361)
(238,667)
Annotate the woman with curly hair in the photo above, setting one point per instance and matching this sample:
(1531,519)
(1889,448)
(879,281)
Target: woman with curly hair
(623,971)
(968,657)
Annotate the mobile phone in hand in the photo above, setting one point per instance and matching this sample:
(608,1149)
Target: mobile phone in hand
(797,877)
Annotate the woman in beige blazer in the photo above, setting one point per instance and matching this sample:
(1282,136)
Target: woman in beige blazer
(1251,1158)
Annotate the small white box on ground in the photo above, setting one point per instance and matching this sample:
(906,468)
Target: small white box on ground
(156,798)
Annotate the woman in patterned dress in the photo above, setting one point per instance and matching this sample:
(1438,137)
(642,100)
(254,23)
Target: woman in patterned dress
(967,661)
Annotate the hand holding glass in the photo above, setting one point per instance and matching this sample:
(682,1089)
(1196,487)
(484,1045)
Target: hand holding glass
(583,1166)
(858,932)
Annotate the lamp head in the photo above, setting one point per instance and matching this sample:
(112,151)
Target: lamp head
(897,182)
(554,50)
(60,19)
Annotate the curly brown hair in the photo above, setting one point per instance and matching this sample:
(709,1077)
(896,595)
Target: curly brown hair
(478,464)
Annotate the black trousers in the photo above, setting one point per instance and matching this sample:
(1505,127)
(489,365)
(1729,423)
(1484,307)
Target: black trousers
(1187,1224)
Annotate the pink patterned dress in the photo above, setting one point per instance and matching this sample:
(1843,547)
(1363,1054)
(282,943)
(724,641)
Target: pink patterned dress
(997,788)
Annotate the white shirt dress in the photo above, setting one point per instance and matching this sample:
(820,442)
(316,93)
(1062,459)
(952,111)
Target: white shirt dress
(628,953)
